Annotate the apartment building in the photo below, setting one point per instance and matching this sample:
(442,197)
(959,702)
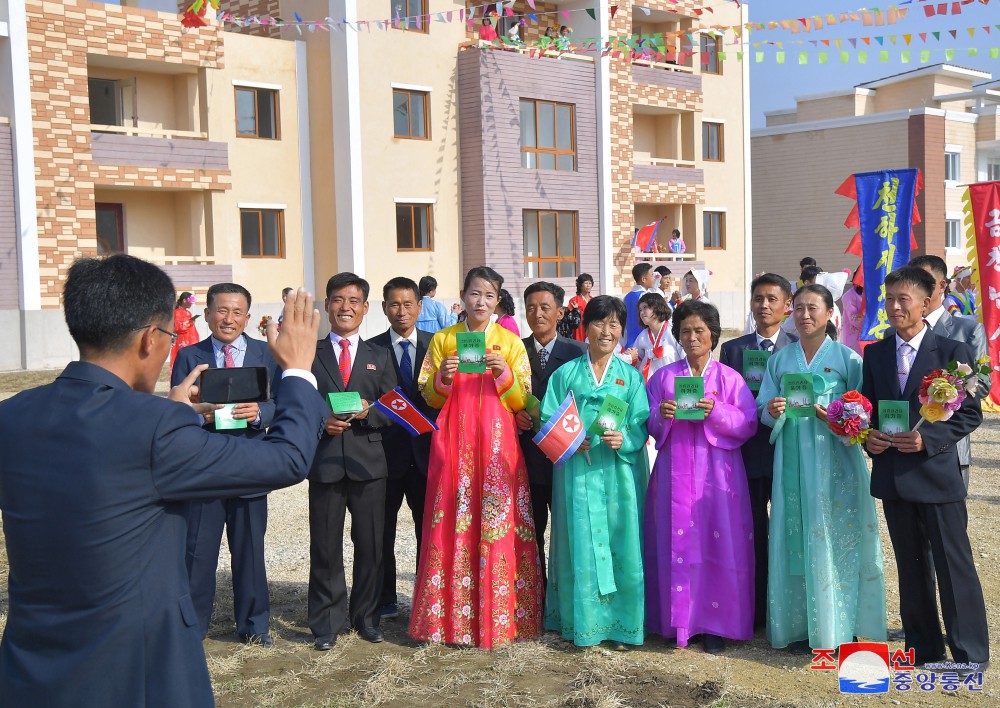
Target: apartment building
(135,136)
(942,119)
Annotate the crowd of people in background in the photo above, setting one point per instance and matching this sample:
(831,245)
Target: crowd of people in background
(697,530)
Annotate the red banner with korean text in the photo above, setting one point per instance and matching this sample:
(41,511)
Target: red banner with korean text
(983,207)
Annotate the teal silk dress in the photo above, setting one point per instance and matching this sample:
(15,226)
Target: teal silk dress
(596,583)
(826,582)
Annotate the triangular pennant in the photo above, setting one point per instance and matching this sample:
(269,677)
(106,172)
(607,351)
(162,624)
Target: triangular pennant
(592,13)
(907,38)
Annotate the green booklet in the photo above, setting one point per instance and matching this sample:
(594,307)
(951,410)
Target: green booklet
(224,419)
(754,365)
(610,417)
(533,407)
(800,396)
(894,417)
(345,403)
(471,352)
(688,391)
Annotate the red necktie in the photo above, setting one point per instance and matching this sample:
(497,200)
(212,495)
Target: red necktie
(345,361)
(229,361)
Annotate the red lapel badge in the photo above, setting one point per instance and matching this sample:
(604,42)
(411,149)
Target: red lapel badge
(619,382)
(496,347)
(827,370)
(371,367)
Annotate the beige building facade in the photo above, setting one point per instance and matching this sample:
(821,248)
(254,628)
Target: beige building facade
(942,119)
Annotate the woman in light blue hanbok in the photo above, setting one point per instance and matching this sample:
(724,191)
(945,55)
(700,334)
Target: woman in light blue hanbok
(826,583)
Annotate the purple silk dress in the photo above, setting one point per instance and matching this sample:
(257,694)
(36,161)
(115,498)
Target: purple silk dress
(698,528)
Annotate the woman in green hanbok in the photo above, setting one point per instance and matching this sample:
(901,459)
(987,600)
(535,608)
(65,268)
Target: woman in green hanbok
(595,590)
(826,583)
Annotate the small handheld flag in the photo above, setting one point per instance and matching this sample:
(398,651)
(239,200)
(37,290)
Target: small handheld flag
(398,407)
(563,433)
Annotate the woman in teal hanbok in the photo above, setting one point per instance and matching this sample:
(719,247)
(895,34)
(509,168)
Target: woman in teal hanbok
(596,582)
(826,583)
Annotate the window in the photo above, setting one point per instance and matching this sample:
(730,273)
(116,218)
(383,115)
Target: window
(257,113)
(710,63)
(411,114)
(548,136)
(711,142)
(262,232)
(413,227)
(549,244)
(715,229)
(110,228)
(112,102)
(952,234)
(411,9)
(992,170)
(952,166)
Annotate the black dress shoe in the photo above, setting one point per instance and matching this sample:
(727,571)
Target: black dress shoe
(325,644)
(713,644)
(263,640)
(371,634)
(963,673)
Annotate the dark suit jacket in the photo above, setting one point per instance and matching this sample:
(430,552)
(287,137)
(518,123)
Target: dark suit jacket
(94,480)
(539,466)
(963,329)
(400,447)
(758,453)
(357,453)
(931,476)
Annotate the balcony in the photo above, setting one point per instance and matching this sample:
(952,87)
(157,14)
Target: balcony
(674,66)
(663,146)
(150,147)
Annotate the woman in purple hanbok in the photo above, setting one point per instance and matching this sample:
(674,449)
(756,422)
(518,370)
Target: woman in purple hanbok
(698,527)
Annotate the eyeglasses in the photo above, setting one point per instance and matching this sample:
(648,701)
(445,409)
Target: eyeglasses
(173,335)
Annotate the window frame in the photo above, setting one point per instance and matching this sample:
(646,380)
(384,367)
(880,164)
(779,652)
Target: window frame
(720,140)
(260,231)
(256,90)
(558,260)
(950,155)
(425,25)
(949,224)
(413,206)
(706,66)
(706,232)
(410,93)
(992,170)
(118,208)
(556,152)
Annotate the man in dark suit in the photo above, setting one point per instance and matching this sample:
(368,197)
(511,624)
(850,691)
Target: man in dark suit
(917,477)
(406,456)
(543,308)
(349,472)
(95,475)
(961,329)
(244,518)
(770,297)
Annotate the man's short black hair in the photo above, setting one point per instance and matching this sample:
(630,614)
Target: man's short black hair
(662,270)
(807,261)
(227,289)
(697,308)
(604,306)
(809,273)
(285,291)
(108,300)
(428,284)
(344,280)
(639,271)
(400,283)
(544,286)
(935,263)
(771,279)
(912,275)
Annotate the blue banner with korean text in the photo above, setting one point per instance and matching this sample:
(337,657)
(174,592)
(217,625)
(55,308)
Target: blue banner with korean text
(885,215)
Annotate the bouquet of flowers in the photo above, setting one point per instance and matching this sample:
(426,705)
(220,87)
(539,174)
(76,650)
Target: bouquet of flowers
(262,327)
(942,391)
(850,417)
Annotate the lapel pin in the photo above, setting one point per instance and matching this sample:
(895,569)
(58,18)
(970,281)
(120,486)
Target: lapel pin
(371,367)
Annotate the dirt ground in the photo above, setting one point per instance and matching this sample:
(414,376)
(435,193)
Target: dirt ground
(546,672)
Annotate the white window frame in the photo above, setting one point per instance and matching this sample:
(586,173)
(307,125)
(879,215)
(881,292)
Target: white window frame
(953,151)
(953,217)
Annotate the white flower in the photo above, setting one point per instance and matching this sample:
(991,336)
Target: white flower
(964,369)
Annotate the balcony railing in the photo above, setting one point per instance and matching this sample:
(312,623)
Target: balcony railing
(660,169)
(529,50)
(666,75)
(663,66)
(150,147)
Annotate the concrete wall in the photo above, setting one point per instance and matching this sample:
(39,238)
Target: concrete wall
(794,175)
(495,188)
(827,108)
(9,278)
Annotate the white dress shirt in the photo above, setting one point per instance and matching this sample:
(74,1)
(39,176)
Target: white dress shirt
(397,348)
(933,317)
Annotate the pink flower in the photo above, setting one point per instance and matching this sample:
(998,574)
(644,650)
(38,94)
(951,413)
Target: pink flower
(852,427)
(835,409)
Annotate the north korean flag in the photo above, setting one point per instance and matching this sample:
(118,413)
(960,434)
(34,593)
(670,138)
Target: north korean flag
(398,407)
(563,433)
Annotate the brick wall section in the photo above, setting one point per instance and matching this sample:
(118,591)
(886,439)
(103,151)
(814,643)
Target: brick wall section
(60,35)
(495,188)
(631,86)
(9,277)
(927,140)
